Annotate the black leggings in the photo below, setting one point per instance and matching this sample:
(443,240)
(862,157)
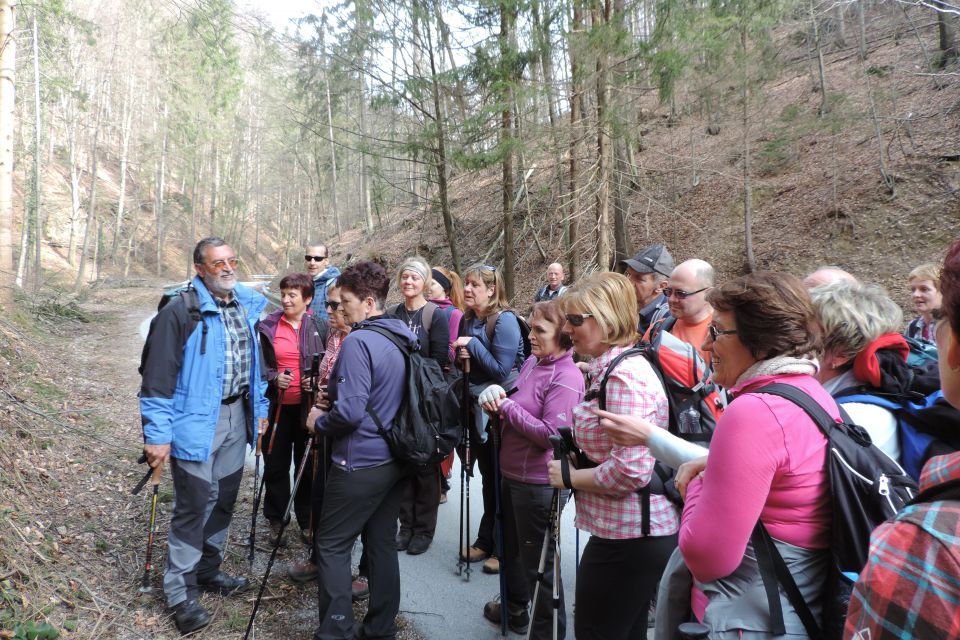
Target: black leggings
(617,581)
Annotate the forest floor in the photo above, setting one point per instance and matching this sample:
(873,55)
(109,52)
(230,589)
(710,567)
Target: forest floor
(72,537)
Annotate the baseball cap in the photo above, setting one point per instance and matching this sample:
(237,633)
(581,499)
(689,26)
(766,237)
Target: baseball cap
(654,258)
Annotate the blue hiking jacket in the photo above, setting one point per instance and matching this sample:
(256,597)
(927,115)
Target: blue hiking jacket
(181,388)
(321,287)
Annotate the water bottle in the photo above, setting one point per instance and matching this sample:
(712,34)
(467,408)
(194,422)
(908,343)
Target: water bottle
(690,421)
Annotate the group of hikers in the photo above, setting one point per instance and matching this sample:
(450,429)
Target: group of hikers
(710,434)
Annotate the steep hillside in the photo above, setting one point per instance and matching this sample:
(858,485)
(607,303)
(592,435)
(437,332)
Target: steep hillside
(818,196)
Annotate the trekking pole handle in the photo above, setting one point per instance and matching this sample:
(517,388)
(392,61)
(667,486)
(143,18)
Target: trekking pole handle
(559,448)
(465,360)
(157,472)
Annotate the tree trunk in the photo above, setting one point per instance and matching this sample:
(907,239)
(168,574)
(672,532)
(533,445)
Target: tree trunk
(8,47)
(573,215)
(506,141)
(75,170)
(747,191)
(92,203)
(214,182)
(947,30)
(160,189)
(824,105)
(127,124)
(37,215)
(861,30)
(601,15)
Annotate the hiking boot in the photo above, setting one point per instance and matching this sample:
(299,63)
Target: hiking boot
(360,588)
(275,528)
(491,565)
(443,498)
(224,584)
(517,617)
(301,572)
(474,554)
(403,539)
(419,544)
(190,616)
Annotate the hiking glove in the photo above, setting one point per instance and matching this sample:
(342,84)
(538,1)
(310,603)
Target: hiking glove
(491,394)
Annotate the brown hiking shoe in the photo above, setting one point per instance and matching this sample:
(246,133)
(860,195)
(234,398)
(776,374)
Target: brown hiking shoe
(474,554)
(302,572)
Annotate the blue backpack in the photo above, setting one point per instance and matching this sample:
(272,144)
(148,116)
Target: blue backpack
(914,444)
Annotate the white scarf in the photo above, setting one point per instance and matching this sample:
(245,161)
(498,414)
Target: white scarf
(780,365)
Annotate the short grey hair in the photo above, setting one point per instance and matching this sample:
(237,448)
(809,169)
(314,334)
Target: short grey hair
(854,315)
(201,248)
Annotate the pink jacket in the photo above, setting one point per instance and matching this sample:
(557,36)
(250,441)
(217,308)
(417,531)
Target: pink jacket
(547,391)
(768,461)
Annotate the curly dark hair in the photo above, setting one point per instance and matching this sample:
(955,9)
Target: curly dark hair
(950,286)
(552,313)
(366,280)
(299,281)
(774,314)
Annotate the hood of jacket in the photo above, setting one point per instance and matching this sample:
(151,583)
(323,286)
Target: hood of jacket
(252,301)
(395,326)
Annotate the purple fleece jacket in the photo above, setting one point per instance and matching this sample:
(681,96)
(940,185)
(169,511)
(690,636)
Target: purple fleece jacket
(370,369)
(547,391)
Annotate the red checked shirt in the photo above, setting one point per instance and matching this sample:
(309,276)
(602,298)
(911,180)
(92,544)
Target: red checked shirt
(910,588)
(632,388)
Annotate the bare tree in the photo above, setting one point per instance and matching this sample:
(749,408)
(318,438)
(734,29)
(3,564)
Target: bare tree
(8,50)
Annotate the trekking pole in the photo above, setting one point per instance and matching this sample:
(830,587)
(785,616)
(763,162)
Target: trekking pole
(314,389)
(258,491)
(463,563)
(276,545)
(551,532)
(154,475)
(498,519)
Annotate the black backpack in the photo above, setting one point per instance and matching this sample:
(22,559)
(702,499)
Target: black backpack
(188,295)
(427,426)
(867,487)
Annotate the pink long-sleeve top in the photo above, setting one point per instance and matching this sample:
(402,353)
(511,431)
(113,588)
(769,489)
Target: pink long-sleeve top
(768,461)
(547,391)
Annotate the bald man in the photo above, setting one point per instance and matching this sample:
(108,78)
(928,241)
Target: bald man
(686,293)
(826,275)
(554,287)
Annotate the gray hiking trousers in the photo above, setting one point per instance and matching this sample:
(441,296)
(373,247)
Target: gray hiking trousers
(204,496)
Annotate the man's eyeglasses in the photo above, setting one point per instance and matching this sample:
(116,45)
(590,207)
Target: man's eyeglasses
(680,293)
(716,333)
(220,265)
(577,319)
(334,305)
(309,258)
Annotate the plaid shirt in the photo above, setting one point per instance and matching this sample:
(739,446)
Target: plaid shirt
(910,587)
(632,388)
(238,345)
(334,340)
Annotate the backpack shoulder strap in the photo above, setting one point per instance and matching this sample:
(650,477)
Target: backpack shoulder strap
(191,300)
(803,400)
(602,391)
(404,349)
(490,325)
(427,318)
(773,570)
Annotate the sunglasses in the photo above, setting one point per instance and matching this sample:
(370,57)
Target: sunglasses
(333,305)
(309,258)
(577,319)
(487,267)
(680,293)
(716,333)
(220,265)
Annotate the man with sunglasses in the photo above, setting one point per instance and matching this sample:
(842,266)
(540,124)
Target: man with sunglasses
(201,402)
(316,262)
(648,272)
(686,293)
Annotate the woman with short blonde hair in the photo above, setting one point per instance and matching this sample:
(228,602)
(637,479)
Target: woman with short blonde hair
(632,531)
(927,299)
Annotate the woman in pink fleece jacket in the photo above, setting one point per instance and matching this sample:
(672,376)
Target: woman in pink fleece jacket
(548,388)
(767,458)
